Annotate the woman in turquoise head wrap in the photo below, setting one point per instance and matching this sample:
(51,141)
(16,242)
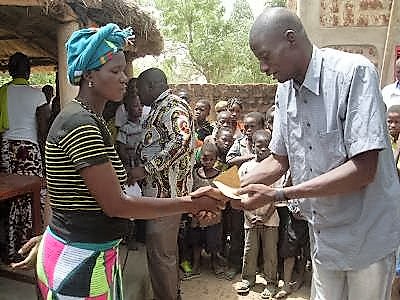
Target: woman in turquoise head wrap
(78,253)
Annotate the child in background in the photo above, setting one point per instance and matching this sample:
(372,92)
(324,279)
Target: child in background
(269,117)
(393,123)
(235,107)
(206,232)
(242,149)
(223,141)
(221,106)
(130,134)
(201,113)
(224,120)
(261,229)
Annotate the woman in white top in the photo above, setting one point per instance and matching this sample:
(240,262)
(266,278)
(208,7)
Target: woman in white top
(22,136)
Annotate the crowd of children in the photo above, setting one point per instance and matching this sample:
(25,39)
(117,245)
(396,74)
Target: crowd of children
(270,241)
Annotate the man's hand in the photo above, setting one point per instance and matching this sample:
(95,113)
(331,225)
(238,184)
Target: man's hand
(258,196)
(211,192)
(30,246)
(136,174)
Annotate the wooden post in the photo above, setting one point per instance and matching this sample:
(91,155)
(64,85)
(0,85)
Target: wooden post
(392,36)
(67,91)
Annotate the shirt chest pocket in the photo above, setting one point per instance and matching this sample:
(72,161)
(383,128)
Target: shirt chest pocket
(151,143)
(330,148)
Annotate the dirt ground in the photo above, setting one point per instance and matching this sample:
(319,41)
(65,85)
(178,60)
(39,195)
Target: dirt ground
(205,287)
(208,287)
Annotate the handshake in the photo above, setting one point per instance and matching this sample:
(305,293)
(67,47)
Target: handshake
(227,187)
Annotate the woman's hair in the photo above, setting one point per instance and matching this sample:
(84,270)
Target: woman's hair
(19,65)
(233,101)
(259,117)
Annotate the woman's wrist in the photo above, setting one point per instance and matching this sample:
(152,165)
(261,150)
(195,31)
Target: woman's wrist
(188,205)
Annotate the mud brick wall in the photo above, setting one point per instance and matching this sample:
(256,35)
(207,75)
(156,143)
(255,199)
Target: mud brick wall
(255,97)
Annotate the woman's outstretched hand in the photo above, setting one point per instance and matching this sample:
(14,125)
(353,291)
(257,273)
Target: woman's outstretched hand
(30,250)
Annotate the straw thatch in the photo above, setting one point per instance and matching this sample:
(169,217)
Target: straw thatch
(30,26)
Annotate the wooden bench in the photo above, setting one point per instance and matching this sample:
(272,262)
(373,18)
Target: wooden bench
(17,185)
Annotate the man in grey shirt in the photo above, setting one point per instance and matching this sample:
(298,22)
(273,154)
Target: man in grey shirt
(330,131)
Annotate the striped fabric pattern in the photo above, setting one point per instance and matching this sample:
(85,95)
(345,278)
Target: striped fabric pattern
(83,146)
(78,271)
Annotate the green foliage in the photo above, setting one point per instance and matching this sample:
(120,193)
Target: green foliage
(38,78)
(218,47)
(277,3)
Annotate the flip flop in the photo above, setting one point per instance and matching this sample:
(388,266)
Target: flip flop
(268,292)
(243,287)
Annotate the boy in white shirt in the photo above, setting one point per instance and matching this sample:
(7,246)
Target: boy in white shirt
(261,229)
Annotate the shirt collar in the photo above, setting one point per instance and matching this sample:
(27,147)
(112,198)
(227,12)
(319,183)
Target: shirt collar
(162,96)
(398,84)
(312,79)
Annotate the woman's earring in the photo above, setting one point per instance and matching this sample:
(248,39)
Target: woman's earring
(90,84)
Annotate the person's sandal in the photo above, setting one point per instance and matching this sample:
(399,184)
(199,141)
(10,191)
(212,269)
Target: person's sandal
(268,291)
(219,271)
(285,291)
(243,287)
(230,274)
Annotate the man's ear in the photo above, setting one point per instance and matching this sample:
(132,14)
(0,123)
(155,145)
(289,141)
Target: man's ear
(290,36)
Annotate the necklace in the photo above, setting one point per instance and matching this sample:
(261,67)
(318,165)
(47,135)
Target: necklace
(86,107)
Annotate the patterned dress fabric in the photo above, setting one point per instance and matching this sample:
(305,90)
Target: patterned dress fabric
(23,158)
(86,271)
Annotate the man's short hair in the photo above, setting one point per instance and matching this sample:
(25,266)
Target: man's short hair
(394,109)
(210,146)
(259,117)
(221,130)
(206,102)
(18,64)
(264,134)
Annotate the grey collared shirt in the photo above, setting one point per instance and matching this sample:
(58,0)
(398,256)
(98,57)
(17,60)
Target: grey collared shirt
(240,147)
(334,115)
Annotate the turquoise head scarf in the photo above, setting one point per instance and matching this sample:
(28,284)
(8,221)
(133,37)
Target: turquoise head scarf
(90,48)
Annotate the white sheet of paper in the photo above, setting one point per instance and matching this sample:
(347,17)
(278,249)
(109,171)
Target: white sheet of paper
(133,190)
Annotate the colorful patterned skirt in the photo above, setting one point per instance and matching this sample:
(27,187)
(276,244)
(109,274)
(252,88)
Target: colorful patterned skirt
(78,270)
(23,158)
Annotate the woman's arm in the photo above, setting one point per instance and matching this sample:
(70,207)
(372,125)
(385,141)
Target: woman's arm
(104,186)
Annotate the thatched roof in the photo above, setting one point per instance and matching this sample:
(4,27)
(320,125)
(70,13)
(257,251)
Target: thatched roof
(30,26)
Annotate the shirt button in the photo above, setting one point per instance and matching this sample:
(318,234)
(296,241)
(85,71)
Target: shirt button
(308,124)
(310,169)
(310,147)
(305,101)
(318,231)
(314,211)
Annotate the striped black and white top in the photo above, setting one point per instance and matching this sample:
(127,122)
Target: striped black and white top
(78,139)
